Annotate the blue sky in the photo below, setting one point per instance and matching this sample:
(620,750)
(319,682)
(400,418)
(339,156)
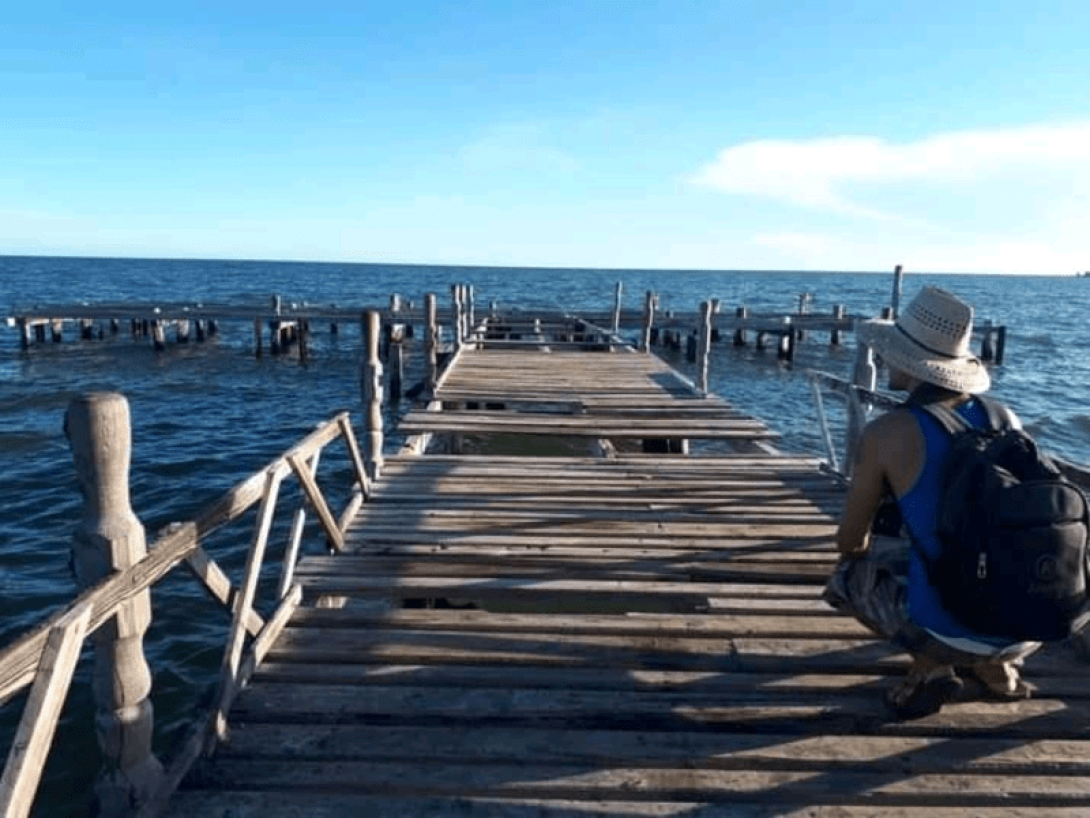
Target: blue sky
(944,136)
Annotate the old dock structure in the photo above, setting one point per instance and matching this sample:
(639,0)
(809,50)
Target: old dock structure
(546,602)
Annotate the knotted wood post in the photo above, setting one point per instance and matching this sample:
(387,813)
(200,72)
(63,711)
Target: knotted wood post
(371,384)
(616,326)
(431,343)
(109,538)
(648,320)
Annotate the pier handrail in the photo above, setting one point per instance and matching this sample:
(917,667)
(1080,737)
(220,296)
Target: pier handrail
(871,398)
(45,658)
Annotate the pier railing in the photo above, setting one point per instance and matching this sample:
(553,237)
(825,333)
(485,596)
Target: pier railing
(118,572)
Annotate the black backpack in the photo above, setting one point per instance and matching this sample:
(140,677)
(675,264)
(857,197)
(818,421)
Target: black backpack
(1014,533)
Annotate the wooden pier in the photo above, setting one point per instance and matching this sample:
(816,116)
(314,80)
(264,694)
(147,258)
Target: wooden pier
(623,635)
(549,603)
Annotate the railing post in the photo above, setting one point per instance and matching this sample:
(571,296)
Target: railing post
(470,311)
(705,343)
(108,538)
(865,374)
(456,321)
(431,343)
(371,381)
(648,321)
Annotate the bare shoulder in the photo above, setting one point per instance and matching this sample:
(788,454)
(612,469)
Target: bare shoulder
(892,426)
(895,443)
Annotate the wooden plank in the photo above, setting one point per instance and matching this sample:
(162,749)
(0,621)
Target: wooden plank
(34,736)
(287,804)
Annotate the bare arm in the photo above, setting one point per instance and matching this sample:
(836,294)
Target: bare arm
(864,495)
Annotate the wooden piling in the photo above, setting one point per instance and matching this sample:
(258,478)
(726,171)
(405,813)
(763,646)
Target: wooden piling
(158,335)
(181,331)
(371,384)
(987,349)
(834,333)
(740,332)
(785,347)
(257,337)
(56,327)
(108,538)
(805,299)
(895,298)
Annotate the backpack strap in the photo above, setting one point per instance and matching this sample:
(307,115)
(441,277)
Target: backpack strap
(999,417)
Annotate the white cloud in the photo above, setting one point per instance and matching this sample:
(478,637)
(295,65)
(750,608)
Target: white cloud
(828,174)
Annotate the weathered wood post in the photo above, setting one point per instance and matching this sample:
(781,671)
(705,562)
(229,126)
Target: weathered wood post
(109,538)
(895,298)
(181,331)
(616,325)
(158,335)
(24,333)
(396,360)
(648,320)
(865,375)
(470,312)
(785,347)
(56,327)
(834,333)
(740,331)
(707,308)
(431,343)
(456,315)
(1000,343)
(987,349)
(304,340)
(371,383)
(805,299)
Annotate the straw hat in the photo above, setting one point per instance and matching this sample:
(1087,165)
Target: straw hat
(930,341)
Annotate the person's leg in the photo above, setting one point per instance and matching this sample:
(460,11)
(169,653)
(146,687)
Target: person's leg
(873,589)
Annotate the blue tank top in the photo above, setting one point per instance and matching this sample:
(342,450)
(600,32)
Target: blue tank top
(919,509)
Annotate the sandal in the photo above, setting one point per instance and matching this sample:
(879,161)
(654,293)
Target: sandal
(923,694)
(1011,687)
